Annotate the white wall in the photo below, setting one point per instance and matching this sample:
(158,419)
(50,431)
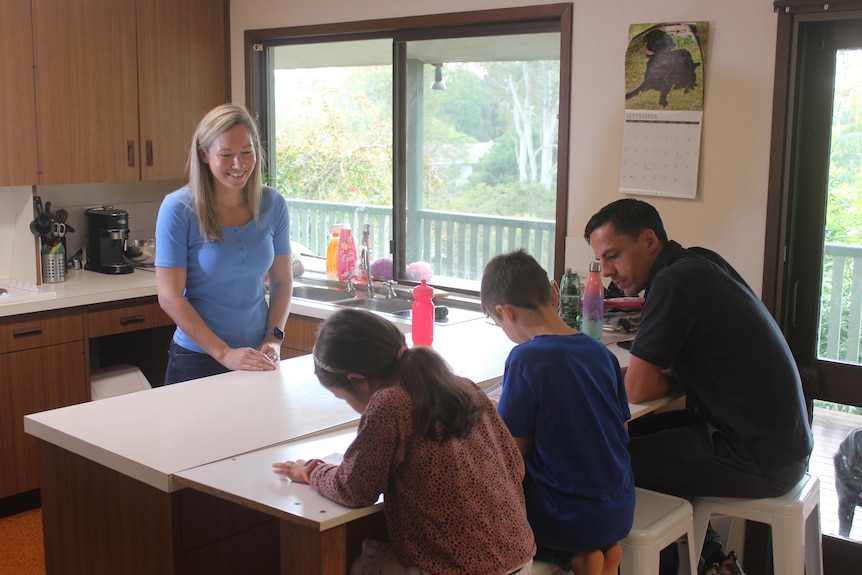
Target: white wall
(728,214)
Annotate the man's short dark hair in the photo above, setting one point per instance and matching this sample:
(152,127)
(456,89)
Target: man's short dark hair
(517,279)
(629,217)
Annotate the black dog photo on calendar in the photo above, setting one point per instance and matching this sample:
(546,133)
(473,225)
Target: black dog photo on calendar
(664,68)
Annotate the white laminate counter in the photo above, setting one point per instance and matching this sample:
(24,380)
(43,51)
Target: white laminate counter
(151,435)
(83,287)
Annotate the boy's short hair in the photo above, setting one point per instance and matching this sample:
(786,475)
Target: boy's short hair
(516,279)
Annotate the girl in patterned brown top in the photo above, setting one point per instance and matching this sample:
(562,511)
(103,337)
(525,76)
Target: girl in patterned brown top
(432,443)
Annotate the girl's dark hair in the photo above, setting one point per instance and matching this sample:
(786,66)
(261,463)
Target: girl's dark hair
(357,341)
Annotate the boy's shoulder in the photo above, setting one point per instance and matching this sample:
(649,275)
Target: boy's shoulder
(552,345)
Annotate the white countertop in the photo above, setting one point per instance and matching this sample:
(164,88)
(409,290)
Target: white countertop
(151,435)
(248,479)
(83,287)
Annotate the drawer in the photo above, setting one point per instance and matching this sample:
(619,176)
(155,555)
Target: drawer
(32,330)
(126,316)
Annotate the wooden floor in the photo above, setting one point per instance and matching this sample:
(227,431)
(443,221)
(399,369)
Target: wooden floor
(830,428)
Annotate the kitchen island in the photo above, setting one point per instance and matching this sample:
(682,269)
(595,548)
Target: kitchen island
(110,498)
(133,484)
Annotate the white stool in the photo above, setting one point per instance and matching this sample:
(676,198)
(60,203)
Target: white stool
(794,519)
(660,520)
(542,568)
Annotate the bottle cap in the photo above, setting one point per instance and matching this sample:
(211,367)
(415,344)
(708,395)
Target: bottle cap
(595,266)
(335,228)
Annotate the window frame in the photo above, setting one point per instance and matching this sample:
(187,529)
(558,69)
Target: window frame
(550,17)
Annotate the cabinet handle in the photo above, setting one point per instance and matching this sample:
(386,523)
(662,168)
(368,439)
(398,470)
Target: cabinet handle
(149,152)
(130,150)
(126,320)
(29,330)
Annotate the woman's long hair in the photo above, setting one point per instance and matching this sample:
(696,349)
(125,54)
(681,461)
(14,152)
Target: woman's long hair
(217,121)
(357,341)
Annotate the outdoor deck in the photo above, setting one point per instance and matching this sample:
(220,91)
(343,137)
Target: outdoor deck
(830,428)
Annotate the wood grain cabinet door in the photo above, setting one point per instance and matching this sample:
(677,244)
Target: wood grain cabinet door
(17,97)
(121,85)
(182,67)
(34,380)
(86,90)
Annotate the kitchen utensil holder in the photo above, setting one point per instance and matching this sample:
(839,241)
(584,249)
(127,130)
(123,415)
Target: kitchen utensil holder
(53,268)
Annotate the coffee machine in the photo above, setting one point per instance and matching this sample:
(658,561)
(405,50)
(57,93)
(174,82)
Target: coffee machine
(107,232)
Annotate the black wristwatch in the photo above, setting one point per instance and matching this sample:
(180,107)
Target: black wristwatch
(277,333)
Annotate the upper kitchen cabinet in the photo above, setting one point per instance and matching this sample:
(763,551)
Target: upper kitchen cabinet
(17,96)
(182,74)
(121,85)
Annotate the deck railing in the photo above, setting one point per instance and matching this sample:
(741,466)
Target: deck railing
(841,303)
(456,245)
(459,245)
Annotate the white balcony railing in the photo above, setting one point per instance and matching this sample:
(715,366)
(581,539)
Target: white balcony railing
(841,303)
(456,245)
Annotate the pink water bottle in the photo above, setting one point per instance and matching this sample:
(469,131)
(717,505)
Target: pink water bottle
(423,315)
(593,309)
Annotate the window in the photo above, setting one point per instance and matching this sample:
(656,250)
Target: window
(812,276)
(446,135)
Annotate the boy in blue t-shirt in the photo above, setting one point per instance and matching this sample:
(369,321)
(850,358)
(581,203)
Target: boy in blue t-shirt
(565,403)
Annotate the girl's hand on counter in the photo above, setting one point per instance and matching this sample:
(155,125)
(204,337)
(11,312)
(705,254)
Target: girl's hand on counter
(298,470)
(248,359)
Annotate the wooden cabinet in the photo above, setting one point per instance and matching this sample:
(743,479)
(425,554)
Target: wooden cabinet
(130,332)
(300,333)
(125,316)
(42,367)
(182,69)
(120,85)
(17,97)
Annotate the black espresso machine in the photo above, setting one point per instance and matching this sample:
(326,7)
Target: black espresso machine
(107,233)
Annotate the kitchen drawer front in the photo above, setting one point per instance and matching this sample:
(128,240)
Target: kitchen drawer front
(131,315)
(32,330)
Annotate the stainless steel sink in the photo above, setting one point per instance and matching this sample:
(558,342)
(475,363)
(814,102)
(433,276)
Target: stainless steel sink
(401,306)
(316,293)
(395,306)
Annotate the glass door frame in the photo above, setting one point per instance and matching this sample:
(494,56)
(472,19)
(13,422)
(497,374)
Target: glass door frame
(796,207)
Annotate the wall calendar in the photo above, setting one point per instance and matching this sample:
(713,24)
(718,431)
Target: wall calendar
(664,109)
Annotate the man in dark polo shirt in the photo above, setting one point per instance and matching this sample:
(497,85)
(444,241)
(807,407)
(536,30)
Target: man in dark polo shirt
(745,431)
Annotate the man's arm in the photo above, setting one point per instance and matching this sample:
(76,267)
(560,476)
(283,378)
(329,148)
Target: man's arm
(646,381)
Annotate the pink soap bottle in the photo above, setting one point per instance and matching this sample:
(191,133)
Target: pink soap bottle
(346,253)
(423,315)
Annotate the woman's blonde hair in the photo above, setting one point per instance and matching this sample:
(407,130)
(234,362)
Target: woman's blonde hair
(216,122)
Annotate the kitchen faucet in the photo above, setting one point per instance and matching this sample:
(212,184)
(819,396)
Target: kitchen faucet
(364,264)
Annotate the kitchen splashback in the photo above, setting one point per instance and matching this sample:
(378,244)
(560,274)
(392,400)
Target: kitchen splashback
(140,199)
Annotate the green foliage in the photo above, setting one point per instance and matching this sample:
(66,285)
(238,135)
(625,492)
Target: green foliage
(334,137)
(844,203)
(510,199)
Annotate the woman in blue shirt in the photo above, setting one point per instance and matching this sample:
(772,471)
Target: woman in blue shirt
(216,239)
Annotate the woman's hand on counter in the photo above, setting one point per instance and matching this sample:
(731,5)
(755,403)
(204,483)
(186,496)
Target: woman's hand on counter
(272,349)
(248,359)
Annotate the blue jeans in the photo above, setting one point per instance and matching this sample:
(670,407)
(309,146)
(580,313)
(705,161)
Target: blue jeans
(185,364)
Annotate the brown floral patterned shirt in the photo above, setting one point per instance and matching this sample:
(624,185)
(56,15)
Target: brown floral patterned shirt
(455,508)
